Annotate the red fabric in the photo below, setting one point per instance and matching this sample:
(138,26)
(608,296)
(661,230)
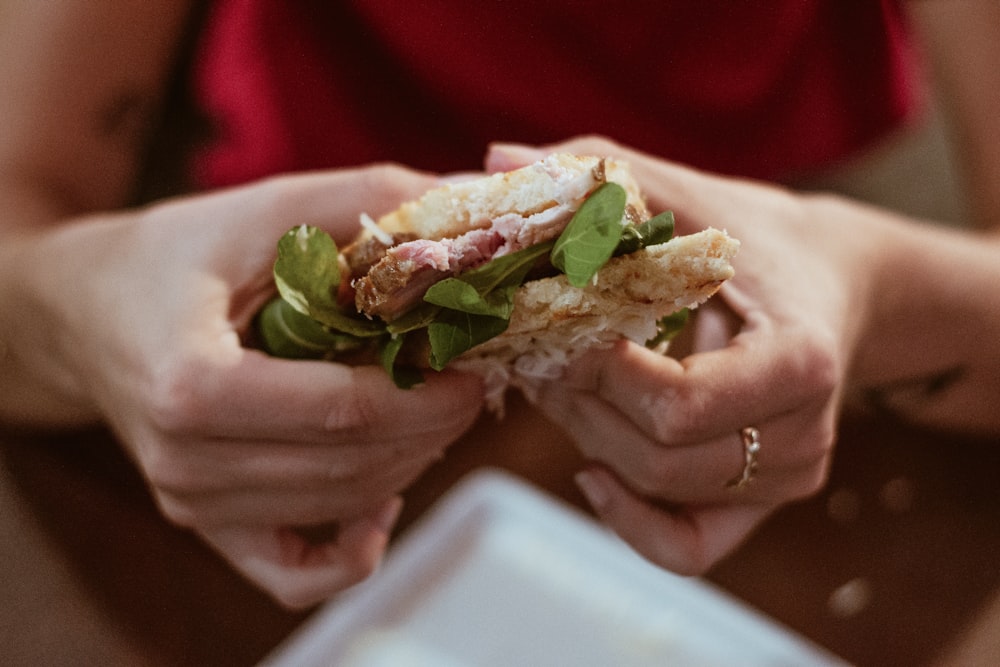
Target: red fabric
(763,89)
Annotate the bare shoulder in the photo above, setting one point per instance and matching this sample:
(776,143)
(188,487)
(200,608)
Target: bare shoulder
(81,80)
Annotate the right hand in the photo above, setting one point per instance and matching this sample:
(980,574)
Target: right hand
(772,349)
(242,448)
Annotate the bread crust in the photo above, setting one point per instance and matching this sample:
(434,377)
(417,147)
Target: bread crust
(661,279)
(553,322)
(560,179)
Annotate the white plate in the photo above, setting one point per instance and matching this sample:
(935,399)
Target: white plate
(498,574)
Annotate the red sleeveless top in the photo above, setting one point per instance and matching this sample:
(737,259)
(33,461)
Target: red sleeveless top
(767,88)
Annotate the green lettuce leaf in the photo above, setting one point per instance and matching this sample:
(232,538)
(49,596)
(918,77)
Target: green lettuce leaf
(459,313)
(405,377)
(307,274)
(592,235)
(668,327)
(455,332)
(285,332)
(654,231)
(488,289)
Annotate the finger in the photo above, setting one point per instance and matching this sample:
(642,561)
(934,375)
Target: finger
(263,211)
(503,156)
(791,463)
(299,573)
(313,401)
(290,505)
(217,466)
(706,395)
(688,540)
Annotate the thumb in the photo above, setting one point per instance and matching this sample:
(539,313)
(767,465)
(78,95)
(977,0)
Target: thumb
(508,156)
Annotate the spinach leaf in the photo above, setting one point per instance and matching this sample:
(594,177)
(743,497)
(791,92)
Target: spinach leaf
(476,306)
(659,229)
(454,332)
(285,332)
(591,236)
(307,273)
(507,269)
(668,327)
(459,313)
(488,289)
(416,318)
(405,377)
(456,294)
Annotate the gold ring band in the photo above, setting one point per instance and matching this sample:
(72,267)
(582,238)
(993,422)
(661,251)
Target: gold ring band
(751,445)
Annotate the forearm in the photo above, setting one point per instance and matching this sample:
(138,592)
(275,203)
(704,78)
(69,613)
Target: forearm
(929,350)
(39,385)
(75,125)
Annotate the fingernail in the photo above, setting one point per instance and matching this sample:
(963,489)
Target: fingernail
(593,487)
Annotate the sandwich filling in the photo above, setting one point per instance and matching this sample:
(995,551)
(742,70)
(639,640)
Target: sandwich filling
(402,272)
(568,240)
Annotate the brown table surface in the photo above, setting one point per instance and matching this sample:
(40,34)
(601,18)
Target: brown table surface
(889,565)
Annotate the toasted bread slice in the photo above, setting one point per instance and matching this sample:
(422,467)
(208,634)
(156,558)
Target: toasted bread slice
(558,180)
(554,322)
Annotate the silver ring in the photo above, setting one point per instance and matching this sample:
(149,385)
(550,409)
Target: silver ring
(751,445)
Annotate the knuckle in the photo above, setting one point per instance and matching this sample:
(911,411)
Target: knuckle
(810,483)
(301,594)
(826,439)
(679,414)
(814,475)
(595,143)
(176,511)
(817,366)
(382,174)
(271,196)
(693,561)
(170,472)
(292,600)
(360,570)
(655,476)
(391,182)
(163,467)
(352,411)
(696,567)
(290,597)
(175,402)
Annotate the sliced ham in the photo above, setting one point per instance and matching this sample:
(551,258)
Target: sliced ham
(397,282)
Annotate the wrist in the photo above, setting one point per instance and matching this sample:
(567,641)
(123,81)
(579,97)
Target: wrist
(929,351)
(37,380)
(854,242)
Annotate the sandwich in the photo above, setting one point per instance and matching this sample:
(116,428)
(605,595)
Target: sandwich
(511,276)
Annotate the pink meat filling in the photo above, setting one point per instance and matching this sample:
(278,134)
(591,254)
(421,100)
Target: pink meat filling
(396,283)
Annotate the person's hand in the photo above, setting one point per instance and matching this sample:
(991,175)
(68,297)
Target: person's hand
(290,469)
(771,351)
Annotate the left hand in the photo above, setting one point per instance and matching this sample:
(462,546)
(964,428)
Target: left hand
(291,470)
(771,350)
